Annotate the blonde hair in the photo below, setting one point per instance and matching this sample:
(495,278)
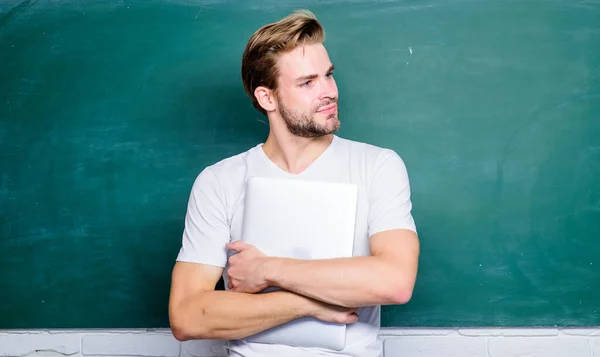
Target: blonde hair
(259,61)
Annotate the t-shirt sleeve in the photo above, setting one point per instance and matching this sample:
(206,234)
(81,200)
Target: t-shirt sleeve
(206,230)
(389,195)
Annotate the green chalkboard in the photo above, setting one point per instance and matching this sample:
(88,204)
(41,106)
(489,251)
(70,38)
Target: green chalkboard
(109,110)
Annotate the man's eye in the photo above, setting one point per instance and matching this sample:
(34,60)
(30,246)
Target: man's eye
(304,84)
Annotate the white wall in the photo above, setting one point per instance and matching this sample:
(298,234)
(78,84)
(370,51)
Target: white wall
(397,343)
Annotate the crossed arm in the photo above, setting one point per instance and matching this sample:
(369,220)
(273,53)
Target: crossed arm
(387,276)
(197,311)
(311,288)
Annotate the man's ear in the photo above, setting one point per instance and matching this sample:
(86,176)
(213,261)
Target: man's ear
(265,98)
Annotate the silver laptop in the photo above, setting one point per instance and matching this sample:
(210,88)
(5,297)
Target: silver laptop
(300,219)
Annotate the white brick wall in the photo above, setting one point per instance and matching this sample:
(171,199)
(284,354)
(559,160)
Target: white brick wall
(397,343)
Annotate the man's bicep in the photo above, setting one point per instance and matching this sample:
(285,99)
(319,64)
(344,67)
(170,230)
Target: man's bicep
(189,279)
(399,249)
(398,245)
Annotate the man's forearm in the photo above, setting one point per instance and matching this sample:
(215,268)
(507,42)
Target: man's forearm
(231,315)
(350,282)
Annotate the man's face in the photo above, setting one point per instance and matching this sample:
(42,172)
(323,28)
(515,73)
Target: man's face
(307,95)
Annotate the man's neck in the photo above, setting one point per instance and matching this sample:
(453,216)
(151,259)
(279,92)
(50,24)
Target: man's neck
(292,153)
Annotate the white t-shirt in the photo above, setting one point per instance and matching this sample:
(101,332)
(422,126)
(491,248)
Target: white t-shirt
(215,210)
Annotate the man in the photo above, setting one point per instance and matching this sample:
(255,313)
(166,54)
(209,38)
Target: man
(288,76)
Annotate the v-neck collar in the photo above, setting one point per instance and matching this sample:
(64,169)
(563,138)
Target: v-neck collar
(306,170)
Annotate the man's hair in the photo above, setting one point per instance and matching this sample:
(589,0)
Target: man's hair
(259,61)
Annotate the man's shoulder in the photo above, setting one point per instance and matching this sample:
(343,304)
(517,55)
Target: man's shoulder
(233,162)
(226,170)
(367,151)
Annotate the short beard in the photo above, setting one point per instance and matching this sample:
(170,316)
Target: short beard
(304,125)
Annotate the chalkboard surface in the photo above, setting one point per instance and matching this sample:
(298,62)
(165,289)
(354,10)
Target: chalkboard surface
(109,110)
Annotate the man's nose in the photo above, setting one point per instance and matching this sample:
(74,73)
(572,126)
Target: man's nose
(328,89)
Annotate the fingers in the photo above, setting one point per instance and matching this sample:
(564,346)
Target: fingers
(238,246)
(352,318)
(232,284)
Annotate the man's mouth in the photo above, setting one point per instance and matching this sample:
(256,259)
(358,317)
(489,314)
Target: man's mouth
(328,109)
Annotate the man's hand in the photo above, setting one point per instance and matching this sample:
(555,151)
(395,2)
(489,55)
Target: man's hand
(246,268)
(333,314)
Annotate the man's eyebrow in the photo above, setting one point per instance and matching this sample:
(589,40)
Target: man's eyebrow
(313,76)
(305,78)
